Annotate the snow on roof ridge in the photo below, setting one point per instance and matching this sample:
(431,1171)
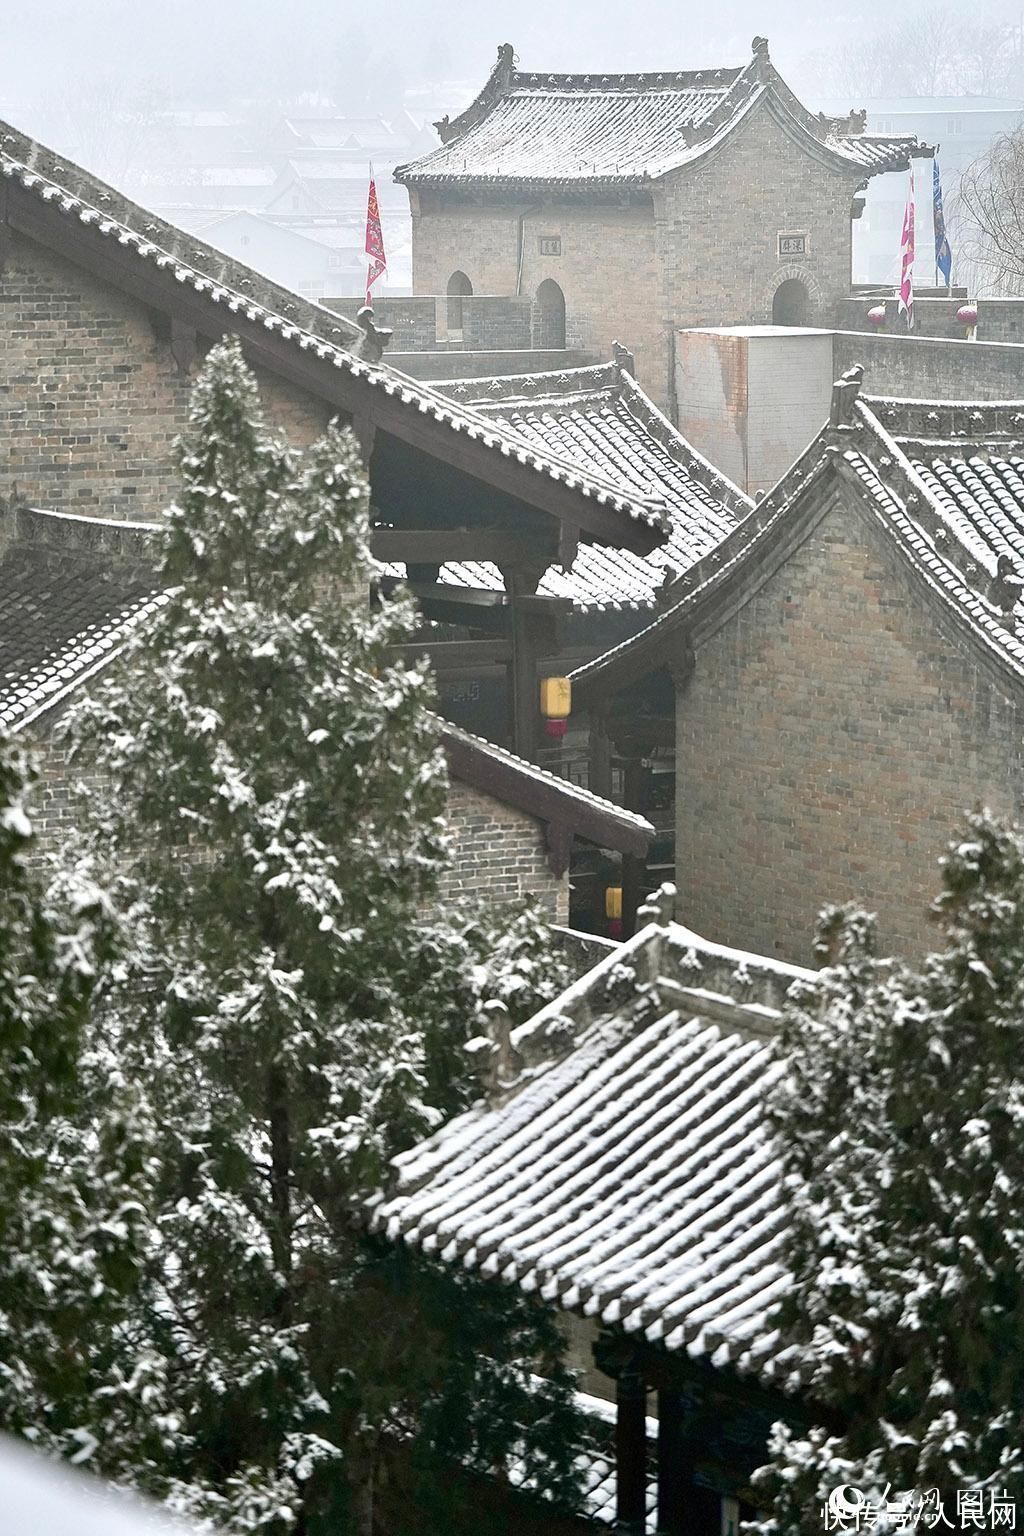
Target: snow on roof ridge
(534,771)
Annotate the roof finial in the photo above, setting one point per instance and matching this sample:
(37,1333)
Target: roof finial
(506,65)
(759,48)
(623,359)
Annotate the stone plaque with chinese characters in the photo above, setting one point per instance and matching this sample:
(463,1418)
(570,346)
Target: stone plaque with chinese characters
(792,245)
(550,245)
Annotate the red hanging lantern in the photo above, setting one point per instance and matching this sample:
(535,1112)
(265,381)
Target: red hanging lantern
(876,316)
(967,316)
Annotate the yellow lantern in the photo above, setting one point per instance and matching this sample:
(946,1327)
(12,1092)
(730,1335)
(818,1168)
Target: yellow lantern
(613,910)
(555,704)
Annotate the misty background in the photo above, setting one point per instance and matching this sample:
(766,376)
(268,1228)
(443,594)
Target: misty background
(252,124)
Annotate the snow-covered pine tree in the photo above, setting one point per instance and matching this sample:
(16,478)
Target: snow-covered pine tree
(902,1125)
(276,821)
(72,1153)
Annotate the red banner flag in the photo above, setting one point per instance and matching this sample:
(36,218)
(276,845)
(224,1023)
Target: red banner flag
(906,304)
(378,263)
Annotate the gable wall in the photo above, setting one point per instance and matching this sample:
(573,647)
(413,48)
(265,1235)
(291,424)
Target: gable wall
(91,398)
(831,738)
(718,225)
(499,854)
(606,270)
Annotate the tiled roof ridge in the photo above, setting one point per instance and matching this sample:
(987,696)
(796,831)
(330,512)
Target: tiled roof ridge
(632,1175)
(680,447)
(506,76)
(673,964)
(927,420)
(526,388)
(730,95)
(712,569)
(944,572)
(959,549)
(974,615)
(536,391)
(72,532)
(56,176)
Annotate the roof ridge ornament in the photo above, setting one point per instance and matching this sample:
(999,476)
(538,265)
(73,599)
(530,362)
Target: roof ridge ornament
(370,346)
(760,62)
(845,391)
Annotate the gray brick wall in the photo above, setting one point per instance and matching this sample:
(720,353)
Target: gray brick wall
(91,399)
(499,854)
(833,734)
(932,368)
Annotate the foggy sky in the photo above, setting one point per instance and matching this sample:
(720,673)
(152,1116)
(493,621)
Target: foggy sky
(146,53)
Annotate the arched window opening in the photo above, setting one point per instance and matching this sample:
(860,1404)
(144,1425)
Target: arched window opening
(459,288)
(549,327)
(791,304)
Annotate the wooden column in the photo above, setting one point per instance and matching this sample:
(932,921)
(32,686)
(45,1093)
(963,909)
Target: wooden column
(634,867)
(630,1453)
(600,768)
(533,636)
(671,1469)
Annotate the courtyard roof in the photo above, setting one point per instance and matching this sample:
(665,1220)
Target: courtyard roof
(73,591)
(599,416)
(944,481)
(623,1167)
(46,199)
(624,129)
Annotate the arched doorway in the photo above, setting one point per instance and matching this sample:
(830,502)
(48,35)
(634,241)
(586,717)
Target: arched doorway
(549,326)
(459,288)
(791,304)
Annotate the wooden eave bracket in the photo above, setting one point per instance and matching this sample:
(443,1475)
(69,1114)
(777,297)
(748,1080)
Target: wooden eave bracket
(558,840)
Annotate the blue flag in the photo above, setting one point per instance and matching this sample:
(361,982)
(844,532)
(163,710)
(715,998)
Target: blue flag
(943,254)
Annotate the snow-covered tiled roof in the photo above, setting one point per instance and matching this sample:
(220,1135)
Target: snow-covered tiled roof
(237,290)
(71,591)
(619,130)
(628,1172)
(601,418)
(945,480)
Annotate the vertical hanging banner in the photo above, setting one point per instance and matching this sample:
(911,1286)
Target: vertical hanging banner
(378,262)
(906,293)
(943,254)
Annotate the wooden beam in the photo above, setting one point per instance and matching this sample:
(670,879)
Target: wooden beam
(439,545)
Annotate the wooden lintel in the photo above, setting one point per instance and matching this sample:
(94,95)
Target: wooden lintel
(448,655)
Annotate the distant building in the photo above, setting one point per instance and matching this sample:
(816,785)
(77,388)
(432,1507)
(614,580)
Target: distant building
(632,204)
(962,128)
(312,259)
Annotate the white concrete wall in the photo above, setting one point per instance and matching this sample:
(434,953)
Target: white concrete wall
(751,398)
